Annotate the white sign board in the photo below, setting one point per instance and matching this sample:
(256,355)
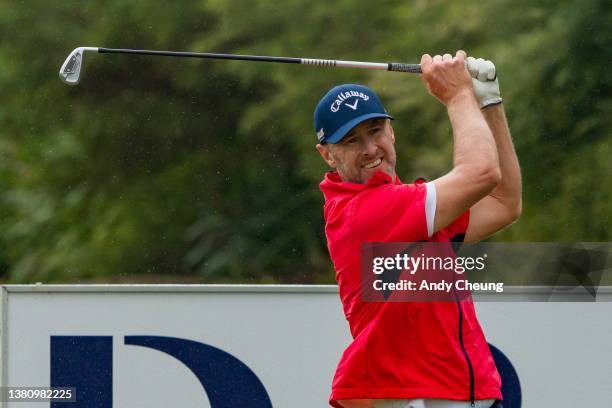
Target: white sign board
(159,346)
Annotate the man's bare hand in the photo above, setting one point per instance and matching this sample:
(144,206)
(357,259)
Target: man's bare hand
(446,77)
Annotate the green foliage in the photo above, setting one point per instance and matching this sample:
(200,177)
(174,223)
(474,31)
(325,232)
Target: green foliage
(162,169)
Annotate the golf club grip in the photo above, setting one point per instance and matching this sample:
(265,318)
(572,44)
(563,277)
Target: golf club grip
(399,67)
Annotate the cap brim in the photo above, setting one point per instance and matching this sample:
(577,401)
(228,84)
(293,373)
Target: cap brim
(339,134)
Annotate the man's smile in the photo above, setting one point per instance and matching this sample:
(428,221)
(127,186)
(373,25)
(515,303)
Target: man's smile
(373,164)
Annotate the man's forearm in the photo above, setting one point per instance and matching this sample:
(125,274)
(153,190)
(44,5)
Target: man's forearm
(509,190)
(473,141)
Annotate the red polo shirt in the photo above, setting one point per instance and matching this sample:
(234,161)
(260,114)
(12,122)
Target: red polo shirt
(400,350)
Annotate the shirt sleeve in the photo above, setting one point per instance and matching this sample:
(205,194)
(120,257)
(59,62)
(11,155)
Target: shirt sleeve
(395,213)
(430,207)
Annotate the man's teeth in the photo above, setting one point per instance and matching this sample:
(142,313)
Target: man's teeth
(373,164)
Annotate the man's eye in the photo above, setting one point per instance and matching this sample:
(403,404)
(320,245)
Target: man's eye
(351,141)
(375,130)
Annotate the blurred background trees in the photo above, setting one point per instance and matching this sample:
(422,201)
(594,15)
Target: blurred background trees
(166,170)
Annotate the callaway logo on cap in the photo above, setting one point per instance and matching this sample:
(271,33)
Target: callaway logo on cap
(343,108)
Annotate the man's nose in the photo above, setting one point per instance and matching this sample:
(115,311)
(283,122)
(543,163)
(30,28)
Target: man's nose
(370,148)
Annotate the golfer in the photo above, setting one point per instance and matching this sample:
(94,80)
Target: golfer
(415,354)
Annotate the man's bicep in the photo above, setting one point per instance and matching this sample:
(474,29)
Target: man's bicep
(454,196)
(487,217)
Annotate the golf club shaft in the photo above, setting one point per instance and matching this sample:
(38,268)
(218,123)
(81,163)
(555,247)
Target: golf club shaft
(400,67)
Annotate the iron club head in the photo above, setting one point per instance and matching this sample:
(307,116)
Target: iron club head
(70,71)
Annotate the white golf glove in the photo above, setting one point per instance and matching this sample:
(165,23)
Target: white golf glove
(484,78)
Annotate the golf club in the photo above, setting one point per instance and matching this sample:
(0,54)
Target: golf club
(71,69)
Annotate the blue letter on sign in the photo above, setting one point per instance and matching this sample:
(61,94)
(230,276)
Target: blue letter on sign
(511,386)
(228,382)
(86,363)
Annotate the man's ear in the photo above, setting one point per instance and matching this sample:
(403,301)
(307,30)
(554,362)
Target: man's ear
(392,133)
(326,155)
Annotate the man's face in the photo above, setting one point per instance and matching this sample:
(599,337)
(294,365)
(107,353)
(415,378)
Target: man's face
(366,149)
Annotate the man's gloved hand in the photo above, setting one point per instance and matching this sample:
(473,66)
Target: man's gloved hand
(484,79)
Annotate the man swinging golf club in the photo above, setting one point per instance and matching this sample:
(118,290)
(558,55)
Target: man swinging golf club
(415,354)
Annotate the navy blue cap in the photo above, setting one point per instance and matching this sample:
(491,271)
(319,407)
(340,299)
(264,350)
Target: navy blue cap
(343,108)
